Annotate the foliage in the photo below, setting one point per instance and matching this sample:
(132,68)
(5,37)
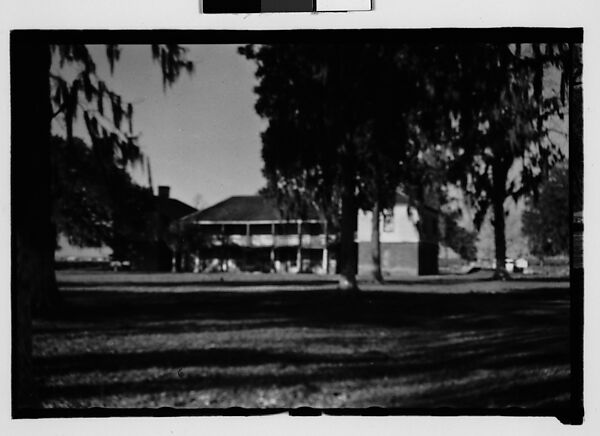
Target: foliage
(103,110)
(546,221)
(516,241)
(98,201)
(81,208)
(336,128)
(39,94)
(98,204)
(183,236)
(364,118)
(497,103)
(325,104)
(493,106)
(134,219)
(461,240)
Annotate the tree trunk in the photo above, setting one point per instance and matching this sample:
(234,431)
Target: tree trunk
(577,228)
(348,254)
(46,298)
(33,233)
(499,195)
(500,240)
(376,244)
(576,129)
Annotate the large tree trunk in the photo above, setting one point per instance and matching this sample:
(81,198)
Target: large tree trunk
(376,244)
(498,196)
(338,134)
(576,252)
(500,240)
(347,255)
(33,233)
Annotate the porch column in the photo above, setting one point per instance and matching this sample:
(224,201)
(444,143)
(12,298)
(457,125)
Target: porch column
(197,262)
(174,262)
(272,254)
(223,261)
(299,252)
(248,244)
(182,259)
(325,250)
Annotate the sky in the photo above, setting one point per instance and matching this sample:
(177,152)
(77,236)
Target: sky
(202,135)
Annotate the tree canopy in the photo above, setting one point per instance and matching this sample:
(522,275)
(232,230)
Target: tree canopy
(97,203)
(546,221)
(492,105)
(336,129)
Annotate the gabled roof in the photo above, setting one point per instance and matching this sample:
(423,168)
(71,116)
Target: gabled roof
(244,208)
(401,198)
(173,209)
(253,208)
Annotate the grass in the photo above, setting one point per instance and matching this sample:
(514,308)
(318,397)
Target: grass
(216,341)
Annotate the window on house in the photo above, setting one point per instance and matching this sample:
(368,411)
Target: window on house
(388,223)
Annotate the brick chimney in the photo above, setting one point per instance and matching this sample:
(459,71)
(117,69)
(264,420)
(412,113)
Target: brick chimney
(163,192)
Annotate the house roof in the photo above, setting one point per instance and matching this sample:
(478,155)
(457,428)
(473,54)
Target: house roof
(253,208)
(401,198)
(244,208)
(173,209)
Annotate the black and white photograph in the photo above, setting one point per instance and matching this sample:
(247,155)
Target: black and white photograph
(354,222)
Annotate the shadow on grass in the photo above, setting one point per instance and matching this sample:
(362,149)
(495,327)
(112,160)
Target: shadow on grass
(121,309)
(445,356)
(420,369)
(445,335)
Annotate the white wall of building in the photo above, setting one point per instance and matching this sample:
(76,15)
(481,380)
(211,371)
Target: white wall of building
(401,227)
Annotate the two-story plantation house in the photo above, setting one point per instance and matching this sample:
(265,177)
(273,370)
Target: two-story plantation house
(250,233)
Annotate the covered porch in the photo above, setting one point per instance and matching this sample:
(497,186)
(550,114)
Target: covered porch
(293,246)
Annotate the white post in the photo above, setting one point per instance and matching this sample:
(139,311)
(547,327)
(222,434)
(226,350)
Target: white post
(247,251)
(196,263)
(325,250)
(272,254)
(223,254)
(299,252)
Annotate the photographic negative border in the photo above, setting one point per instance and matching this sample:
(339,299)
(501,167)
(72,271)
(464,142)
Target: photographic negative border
(571,415)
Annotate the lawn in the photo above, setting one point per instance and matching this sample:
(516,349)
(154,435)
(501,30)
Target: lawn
(216,341)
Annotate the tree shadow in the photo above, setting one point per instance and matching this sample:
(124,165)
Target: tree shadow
(331,368)
(443,335)
(376,307)
(447,355)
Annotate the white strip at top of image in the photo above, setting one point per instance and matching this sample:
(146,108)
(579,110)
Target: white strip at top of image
(343,5)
